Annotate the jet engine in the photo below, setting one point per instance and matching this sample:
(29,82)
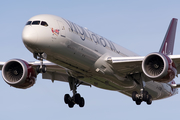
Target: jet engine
(159,67)
(19,74)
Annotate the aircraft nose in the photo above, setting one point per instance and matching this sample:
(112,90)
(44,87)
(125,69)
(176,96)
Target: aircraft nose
(29,36)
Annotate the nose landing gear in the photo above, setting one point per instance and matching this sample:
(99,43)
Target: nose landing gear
(40,68)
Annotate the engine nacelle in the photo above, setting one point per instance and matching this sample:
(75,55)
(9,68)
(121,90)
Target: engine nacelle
(159,67)
(18,73)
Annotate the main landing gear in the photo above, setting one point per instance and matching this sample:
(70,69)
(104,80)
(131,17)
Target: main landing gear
(143,95)
(40,68)
(76,98)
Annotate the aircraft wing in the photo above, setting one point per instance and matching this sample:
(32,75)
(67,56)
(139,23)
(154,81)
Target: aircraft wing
(130,65)
(126,65)
(55,72)
(176,60)
(122,65)
(1,65)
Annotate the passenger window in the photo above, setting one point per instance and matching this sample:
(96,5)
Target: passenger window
(35,22)
(29,23)
(44,23)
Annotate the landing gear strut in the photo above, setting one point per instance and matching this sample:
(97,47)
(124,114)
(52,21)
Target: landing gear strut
(40,68)
(143,95)
(76,98)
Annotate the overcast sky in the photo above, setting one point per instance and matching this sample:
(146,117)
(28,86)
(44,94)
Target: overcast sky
(139,25)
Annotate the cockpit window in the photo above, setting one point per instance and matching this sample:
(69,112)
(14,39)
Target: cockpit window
(29,23)
(44,23)
(35,22)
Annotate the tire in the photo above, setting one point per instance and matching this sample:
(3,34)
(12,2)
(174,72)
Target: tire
(149,101)
(38,70)
(77,98)
(66,98)
(82,102)
(71,104)
(43,68)
(134,98)
(145,96)
(138,102)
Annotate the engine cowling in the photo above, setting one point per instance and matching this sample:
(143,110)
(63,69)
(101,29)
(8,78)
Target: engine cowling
(159,67)
(18,73)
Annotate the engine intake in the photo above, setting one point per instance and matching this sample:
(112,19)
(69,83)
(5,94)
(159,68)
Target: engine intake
(19,74)
(159,67)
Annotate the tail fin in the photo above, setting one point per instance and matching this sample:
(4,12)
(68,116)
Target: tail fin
(168,43)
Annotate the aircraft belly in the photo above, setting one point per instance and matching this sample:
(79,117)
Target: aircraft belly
(109,82)
(80,59)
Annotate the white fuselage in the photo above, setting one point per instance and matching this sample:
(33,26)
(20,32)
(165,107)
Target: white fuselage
(84,53)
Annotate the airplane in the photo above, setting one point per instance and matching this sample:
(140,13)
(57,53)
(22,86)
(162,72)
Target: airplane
(70,53)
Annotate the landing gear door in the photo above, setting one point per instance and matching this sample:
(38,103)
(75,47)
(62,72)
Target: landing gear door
(62,29)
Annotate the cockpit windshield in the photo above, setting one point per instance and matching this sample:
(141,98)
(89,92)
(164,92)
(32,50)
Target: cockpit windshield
(37,22)
(29,23)
(43,23)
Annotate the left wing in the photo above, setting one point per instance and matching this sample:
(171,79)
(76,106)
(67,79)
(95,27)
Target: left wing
(132,65)
(176,60)
(1,65)
(126,65)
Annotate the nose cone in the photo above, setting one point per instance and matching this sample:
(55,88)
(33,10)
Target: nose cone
(29,36)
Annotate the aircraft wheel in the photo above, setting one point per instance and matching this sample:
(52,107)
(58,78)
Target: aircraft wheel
(71,104)
(77,98)
(134,96)
(38,70)
(43,68)
(145,96)
(138,102)
(82,102)
(149,101)
(66,98)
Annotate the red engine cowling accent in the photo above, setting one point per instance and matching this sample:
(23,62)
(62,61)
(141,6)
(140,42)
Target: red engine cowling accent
(159,67)
(18,73)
